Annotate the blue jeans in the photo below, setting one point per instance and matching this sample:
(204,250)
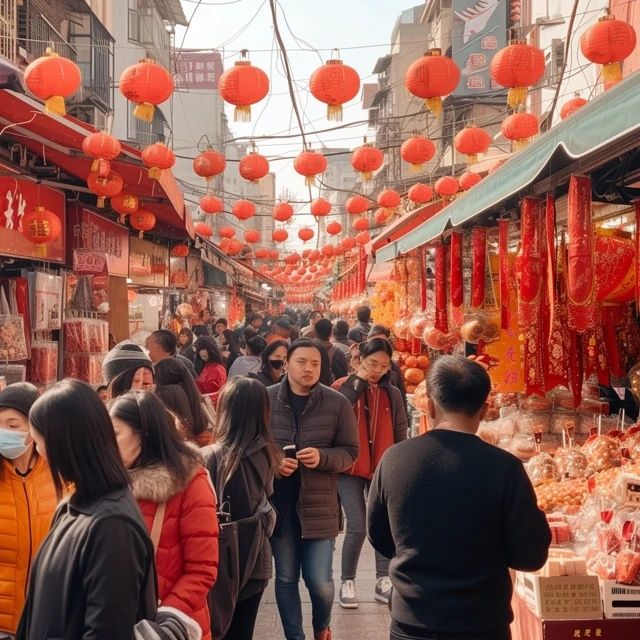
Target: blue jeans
(315,558)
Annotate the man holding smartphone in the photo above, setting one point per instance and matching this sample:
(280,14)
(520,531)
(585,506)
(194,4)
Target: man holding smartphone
(317,430)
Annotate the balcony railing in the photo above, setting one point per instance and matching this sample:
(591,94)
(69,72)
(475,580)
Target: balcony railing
(37,33)
(8,28)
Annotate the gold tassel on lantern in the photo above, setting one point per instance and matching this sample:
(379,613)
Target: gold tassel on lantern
(242,113)
(366,176)
(334,112)
(55,105)
(310,181)
(434,105)
(101,202)
(517,96)
(144,111)
(154,173)
(141,235)
(472,158)
(519,145)
(612,72)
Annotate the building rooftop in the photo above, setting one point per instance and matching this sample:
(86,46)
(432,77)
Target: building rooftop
(171,11)
(369,90)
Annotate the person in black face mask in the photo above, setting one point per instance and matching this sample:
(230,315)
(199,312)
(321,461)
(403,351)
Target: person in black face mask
(274,358)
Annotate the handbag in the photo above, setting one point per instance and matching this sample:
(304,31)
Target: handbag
(13,342)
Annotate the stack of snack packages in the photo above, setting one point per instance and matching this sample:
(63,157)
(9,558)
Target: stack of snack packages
(86,341)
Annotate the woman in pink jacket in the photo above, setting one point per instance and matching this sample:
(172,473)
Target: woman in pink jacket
(209,366)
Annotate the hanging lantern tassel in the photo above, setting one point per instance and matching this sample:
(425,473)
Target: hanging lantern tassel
(101,202)
(55,105)
(141,234)
(144,111)
(103,167)
(242,113)
(516,96)
(611,72)
(154,173)
(434,105)
(310,181)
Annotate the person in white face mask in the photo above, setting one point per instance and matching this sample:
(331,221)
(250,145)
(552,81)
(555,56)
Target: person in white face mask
(27,501)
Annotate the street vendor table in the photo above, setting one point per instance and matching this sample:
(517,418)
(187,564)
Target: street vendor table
(528,626)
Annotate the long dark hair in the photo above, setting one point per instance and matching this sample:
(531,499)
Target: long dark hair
(232,342)
(185,332)
(123,381)
(267,353)
(172,371)
(209,345)
(375,345)
(160,441)
(175,399)
(80,442)
(243,416)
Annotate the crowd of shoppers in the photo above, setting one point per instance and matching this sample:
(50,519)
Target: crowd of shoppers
(127,492)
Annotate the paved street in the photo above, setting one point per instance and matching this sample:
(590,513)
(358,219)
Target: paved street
(370,620)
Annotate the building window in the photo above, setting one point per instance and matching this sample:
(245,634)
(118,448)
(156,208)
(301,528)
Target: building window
(555,61)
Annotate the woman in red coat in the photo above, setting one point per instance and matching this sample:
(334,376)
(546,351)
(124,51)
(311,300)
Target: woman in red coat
(209,366)
(167,473)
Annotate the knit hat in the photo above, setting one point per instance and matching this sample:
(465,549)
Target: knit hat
(124,356)
(18,396)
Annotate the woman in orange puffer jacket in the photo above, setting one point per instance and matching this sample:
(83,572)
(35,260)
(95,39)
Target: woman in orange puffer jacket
(27,500)
(167,473)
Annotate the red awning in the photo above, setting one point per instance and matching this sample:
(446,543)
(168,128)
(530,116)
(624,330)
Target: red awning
(58,141)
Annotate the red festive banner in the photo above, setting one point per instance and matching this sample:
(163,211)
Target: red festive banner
(362,270)
(441,288)
(478,266)
(456,291)
(580,271)
(638,257)
(550,235)
(422,253)
(503,273)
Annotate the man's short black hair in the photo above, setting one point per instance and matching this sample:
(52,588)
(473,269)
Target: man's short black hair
(253,316)
(166,340)
(283,323)
(341,329)
(458,385)
(363,314)
(302,343)
(379,330)
(323,329)
(221,321)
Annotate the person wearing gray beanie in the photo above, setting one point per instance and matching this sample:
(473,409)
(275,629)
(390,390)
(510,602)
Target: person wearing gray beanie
(127,367)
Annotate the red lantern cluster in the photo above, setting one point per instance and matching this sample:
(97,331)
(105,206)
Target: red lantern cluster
(104,147)
(431,78)
(243,85)
(334,83)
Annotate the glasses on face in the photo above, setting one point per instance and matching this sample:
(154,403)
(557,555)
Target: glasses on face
(377,366)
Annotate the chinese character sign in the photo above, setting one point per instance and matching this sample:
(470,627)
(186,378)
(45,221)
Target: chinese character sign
(479,31)
(198,70)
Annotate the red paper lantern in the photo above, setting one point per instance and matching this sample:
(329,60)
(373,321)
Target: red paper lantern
(231,246)
(327,250)
(242,86)
(244,209)
(146,83)
(520,128)
(124,204)
(143,220)
(53,78)
(447,187)
(273,254)
(360,224)
(279,235)
(261,253)
(517,67)
(101,146)
(608,42)
(282,212)
(310,164)
(41,226)
(348,243)
(366,160)
(431,78)
(253,167)
(226,232)
(105,187)
(158,157)
(334,228)
(203,229)
(420,193)
(210,204)
(417,150)
(320,207)
(382,216)
(251,236)
(355,205)
(469,179)
(334,83)
(389,199)
(472,141)
(180,250)
(292,258)
(209,164)
(305,234)
(571,106)
(364,237)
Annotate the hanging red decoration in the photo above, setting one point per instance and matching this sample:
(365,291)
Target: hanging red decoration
(282,212)
(261,253)
(243,85)
(231,246)
(517,66)
(244,209)
(348,243)
(389,199)
(226,232)
(148,84)
(292,258)
(180,250)
(334,228)
(366,160)
(608,42)
(101,146)
(447,187)
(305,234)
(571,106)
(327,250)
(382,216)
(210,204)
(41,226)
(420,193)
(456,287)
(253,167)
(431,78)
(504,273)
(360,224)
(469,179)
(637,237)
(472,141)
(209,163)
(334,83)
(520,128)
(158,157)
(279,235)
(614,266)
(105,187)
(320,207)
(478,266)
(124,204)
(310,164)
(580,271)
(143,220)
(203,229)
(251,236)
(440,273)
(364,237)
(53,78)
(355,205)
(417,151)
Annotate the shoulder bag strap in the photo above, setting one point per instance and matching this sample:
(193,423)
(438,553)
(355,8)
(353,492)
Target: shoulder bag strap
(156,528)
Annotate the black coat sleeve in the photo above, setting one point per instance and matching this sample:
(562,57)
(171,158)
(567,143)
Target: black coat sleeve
(339,364)
(378,525)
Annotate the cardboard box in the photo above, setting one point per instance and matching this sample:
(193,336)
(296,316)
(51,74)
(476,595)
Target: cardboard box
(620,600)
(561,597)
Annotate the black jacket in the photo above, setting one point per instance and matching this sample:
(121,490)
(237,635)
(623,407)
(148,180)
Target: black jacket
(360,332)
(453,514)
(263,377)
(93,577)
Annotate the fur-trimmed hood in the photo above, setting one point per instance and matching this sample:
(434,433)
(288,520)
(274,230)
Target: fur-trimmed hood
(157,484)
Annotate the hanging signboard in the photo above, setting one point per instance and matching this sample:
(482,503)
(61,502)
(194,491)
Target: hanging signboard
(148,263)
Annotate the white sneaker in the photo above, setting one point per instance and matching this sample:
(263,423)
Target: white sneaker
(348,598)
(383,590)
